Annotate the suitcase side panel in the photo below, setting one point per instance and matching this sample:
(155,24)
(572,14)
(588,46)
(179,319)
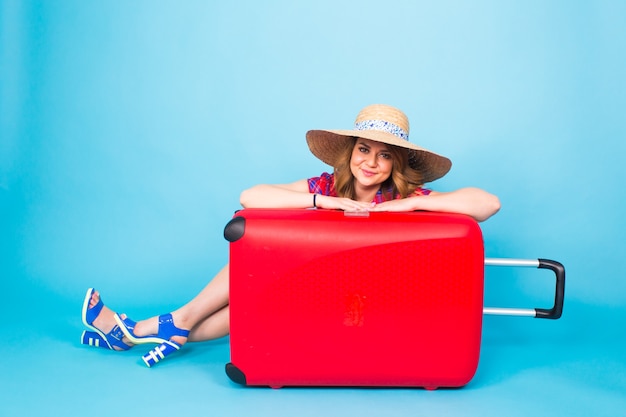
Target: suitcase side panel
(323,300)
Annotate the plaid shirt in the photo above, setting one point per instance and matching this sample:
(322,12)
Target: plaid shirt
(325,185)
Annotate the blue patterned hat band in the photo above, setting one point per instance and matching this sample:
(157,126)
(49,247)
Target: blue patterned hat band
(382,126)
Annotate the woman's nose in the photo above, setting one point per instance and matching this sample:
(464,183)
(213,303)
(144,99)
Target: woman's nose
(371,160)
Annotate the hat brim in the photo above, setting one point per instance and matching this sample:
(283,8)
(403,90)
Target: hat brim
(328,145)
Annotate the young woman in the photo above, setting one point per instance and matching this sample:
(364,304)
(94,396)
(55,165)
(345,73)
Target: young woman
(376,168)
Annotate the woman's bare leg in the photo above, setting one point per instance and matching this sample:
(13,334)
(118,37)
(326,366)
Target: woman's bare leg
(215,326)
(211,300)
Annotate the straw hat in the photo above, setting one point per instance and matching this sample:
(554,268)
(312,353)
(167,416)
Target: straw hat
(384,124)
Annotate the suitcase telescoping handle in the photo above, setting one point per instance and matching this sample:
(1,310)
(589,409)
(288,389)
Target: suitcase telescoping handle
(541,313)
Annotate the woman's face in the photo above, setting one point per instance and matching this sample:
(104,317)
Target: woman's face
(371,162)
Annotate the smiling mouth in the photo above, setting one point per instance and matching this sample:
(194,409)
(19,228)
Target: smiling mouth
(368,173)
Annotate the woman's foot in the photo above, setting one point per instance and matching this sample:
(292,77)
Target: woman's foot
(101,319)
(160,330)
(154,325)
(153,330)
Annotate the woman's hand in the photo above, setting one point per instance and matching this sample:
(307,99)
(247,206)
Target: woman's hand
(474,202)
(403,204)
(340,203)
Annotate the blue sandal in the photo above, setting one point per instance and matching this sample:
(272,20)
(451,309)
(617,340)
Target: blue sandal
(110,340)
(167,330)
(91,338)
(159,353)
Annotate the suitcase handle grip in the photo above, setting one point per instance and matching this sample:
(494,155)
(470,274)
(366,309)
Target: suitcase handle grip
(559,294)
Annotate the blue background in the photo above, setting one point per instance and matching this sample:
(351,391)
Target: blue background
(128,130)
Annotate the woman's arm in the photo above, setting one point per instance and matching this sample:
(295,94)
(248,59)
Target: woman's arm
(474,202)
(294,195)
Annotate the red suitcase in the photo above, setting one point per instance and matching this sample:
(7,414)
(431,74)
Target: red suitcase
(327,298)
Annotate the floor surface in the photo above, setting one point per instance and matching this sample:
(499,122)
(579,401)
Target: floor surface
(528,367)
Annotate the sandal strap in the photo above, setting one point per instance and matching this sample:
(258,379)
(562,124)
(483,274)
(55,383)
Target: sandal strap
(94,312)
(167,328)
(115,336)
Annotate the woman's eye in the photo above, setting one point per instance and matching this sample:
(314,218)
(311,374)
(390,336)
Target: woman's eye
(363,149)
(385,156)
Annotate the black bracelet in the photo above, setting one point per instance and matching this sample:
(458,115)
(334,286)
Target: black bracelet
(314,202)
